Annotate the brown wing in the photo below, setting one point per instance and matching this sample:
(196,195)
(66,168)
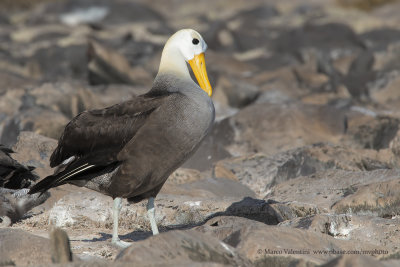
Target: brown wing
(95,138)
(106,129)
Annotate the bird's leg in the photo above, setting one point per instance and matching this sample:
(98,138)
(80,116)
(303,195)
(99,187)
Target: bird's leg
(115,239)
(151,213)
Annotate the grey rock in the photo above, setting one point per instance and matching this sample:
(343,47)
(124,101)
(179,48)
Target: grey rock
(261,173)
(238,93)
(21,248)
(373,132)
(14,175)
(181,247)
(326,37)
(116,13)
(263,243)
(354,260)
(57,62)
(42,121)
(382,232)
(272,128)
(251,19)
(380,198)
(213,147)
(34,150)
(107,66)
(325,189)
(379,39)
(172,211)
(60,246)
(14,204)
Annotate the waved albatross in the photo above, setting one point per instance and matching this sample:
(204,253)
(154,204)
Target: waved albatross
(128,150)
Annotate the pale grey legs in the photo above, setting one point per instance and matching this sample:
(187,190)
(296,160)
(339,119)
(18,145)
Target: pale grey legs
(151,213)
(115,239)
(116,210)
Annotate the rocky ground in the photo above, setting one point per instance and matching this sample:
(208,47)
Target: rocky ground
(302,165)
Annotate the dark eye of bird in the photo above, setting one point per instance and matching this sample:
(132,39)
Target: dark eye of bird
(195,41)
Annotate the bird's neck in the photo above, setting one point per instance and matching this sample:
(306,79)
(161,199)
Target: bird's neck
(172,62)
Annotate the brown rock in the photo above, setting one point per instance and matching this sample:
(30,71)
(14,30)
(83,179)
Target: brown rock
(382,198)
(181,247)
(213,147)
(14,204)
(10,102)
(223,227)
(115,93)
(80,96)
(182,176)
(260,172)
(237,93)
(324,189)
(222,108)
(46,110)
(43,122)
(13,80)
(388,95)
(218,62)
(52,97)
(308,76)
(85,207)
(104,263)
(262,211)
(108,66)
(185,205)
(40,120)
(387,11)
(363,5)
(372,131)
(35,150)
(334,225)
(21,248)
(363,229)
(262,243)
(278,86)
(81,207)
(60,247)
(273,128)
(354,261)
(343,64)
(394,145)
(211,187)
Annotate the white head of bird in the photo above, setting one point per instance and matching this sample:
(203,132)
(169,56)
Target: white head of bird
(186,45)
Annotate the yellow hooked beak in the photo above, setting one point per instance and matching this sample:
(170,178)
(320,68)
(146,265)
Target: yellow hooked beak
(198,66)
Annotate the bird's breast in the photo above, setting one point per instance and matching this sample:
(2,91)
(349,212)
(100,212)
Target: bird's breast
(199,114)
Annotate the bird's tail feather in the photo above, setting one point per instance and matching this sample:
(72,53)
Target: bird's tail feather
(75,171)
(59,179)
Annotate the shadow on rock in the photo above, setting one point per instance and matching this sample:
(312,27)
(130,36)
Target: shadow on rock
(133,236)
(267,212)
